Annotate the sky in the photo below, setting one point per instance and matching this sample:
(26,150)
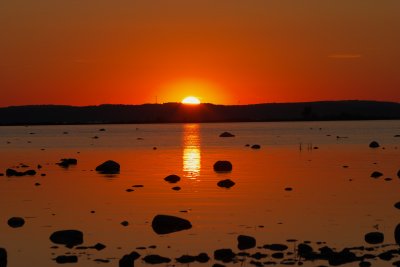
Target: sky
(90,52)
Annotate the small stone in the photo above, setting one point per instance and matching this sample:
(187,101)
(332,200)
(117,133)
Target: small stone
(228,183)
(129,190)
(156,259)
(16,222)
(65,163)
(397,205)
(226,134)
(125,223)
(172,178)
(276,247)
(129,259)
(288,189)
(202,258)
(108,167)
(374,144)
(224,255)
(66,259)
(186,259)
(255,146)
(176,188)
(376,174)
(3,257)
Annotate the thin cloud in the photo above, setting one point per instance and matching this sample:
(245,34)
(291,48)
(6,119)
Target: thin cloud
(345,56)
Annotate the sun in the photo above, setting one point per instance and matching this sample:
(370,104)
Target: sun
(191,100)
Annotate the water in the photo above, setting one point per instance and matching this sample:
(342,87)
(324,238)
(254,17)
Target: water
(329,202)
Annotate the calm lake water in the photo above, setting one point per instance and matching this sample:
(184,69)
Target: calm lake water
(329,202)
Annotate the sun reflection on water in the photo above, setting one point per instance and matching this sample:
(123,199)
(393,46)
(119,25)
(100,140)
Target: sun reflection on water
(191,150)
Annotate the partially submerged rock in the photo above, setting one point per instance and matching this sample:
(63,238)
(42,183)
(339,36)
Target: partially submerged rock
(226,183)
(226,134)
(374,238)
(276,247)
(222,166)
(376,174)
(173,178)
(129,259)
(69,238)
(224,255)
(108,167)
(255,146)
(65,163)
(397,234)
(246,242)
(166,224)
(156,259)
(16,222)
(12,172)
(374,144)
(3,257)
(66,259)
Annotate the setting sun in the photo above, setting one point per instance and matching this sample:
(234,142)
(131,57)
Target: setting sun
(191,100)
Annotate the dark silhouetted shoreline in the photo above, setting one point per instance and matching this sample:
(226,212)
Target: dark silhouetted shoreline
(179,113)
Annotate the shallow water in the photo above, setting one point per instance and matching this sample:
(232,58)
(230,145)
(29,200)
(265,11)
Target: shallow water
(328,203)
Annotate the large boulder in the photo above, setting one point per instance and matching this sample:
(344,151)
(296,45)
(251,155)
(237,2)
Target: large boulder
(16,222)
(166,224)
(246,242)
(374,238)
(108,167)
(222,166)
(3,257)
(70,238)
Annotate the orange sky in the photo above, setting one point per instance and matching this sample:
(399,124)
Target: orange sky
(83,52)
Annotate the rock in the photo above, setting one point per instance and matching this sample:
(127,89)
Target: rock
(222,166)
(11,172)
(246,242)
(202,258)
(102,130)
(374,238)
(166,224)
(226,183)
(156,259)
(342,257)
(70,238)
(226,134)
(172,178)
(398,174)
(276,247)
(259,256)
(397,205)
(374,144)
(108,167)
(102,260)
(65,163)
(218,265)
(16,222)
(277,255)
(376,174)
(186,259)
(3,257)
(66,259)
(397,234)
(288,189)
(255,146)
(129,259)
(99,246)
(304,250)
(224,255)
(125,223)
(176,188)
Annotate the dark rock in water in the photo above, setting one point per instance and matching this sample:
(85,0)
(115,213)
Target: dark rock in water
(102,260)
(226,134)
(374,238)
(1,174)
(276,247)
(202,258)
(255,146)
(99,246)
(304,250)
(397,234)
(176,188)
(108,167)
(246,242)
(277,255)
(388,179)
(102,130)
(156,259)
(387,255)
(259,256)
(222,166)
(166,224)
(376,174)
(396,263)
(247,145)
(374,144)
(218,265)
(186,259)
(397,205)
(65,163)
(129,190)
(3,257)
(16,222)
(257,263)
(129,259)
(342,257)
(172,178)
(66,259)
(364,264)
(11,172)
(70,238)
(224,255)
(226,183)
(125,223)
(288,189)
(398,174)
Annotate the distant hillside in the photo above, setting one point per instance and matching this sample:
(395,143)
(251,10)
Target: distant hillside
(176,112)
